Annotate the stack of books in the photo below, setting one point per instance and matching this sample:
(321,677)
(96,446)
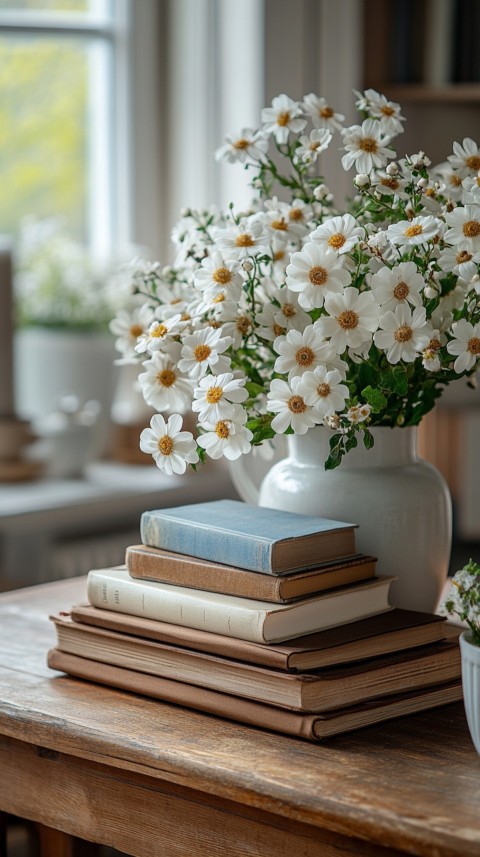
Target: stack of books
(265,617)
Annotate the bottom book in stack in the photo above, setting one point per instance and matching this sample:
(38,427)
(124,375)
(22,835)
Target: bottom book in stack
(322,684)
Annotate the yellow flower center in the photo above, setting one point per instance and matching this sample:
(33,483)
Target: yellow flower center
(201,352)
(305,356)
(241,144)
(214,394)
(136,330)
(243,324)
(348,320)
(295,214)
(434,345)
(278,330)
(283,118)
(401,291)
(218,299)
(412,231)
(165,444)
(175,301)
(281,225)
(336,241)
(221,430)
(454,180)
(474,345)
(387,110)
(318,276)
(244,240)
(403,333)
(325,112)
(368,144)
(279,255)
(471,229)
(323,390)
(463,256)
(296,405)
(473,162)
(288,310)
(222,276)
(158,331)
(166,377)
(391,182)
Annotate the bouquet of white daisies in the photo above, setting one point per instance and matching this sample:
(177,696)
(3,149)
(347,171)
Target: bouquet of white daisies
(295,313)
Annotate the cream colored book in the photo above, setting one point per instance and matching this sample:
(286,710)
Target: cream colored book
(245,618)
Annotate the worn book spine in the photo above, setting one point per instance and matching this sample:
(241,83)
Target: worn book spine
(248,619)
(156,601)
(146,563)
(206,542)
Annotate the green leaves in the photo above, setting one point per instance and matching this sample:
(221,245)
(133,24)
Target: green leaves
(374,398)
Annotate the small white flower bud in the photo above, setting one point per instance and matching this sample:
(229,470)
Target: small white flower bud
(361,180)
(430,292)
(392,169)
(247,266)
(166,271)
(422,183)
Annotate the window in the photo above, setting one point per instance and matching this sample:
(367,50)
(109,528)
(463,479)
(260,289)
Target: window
(63,149)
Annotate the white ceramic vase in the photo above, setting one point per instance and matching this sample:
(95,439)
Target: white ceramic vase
(471,685)
(401,504)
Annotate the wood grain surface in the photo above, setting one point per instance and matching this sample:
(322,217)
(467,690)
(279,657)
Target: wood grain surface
(120,769)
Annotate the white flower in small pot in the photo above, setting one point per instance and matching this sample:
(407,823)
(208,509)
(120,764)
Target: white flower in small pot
(464,602)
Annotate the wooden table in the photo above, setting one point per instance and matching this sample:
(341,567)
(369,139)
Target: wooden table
(154,779)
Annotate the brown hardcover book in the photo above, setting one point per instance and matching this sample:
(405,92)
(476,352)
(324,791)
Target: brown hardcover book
(378,635)
(146,563)
(313,727)
(317,691)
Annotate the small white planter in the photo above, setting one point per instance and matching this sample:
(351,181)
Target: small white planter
(471,685)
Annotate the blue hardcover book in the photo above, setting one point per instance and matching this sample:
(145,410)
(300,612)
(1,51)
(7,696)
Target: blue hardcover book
(270,541)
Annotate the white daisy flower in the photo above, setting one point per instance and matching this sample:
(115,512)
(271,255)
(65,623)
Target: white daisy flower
(461,262)
(227,437)
(466,157)
(312,145)
(321,114)
(281,222)
(430,354)
(128,327)
(418,230)
(366,147)
(267,326)
(215,396)
(464,231)
(339,233)
(300,212)
(171,447)
(163,386)
(393,286)
(238,326)
(450,181)
(240,240)
(282,117)
(314,273)
(352,318)
(290,407)
(216,275)
(247,145)
(403,335)
(202,350)
(471,187)
(324,391)
(388,185)
(465,345)
(387,112)
(358,413)
(301,350)
(159,333)
(289,314)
